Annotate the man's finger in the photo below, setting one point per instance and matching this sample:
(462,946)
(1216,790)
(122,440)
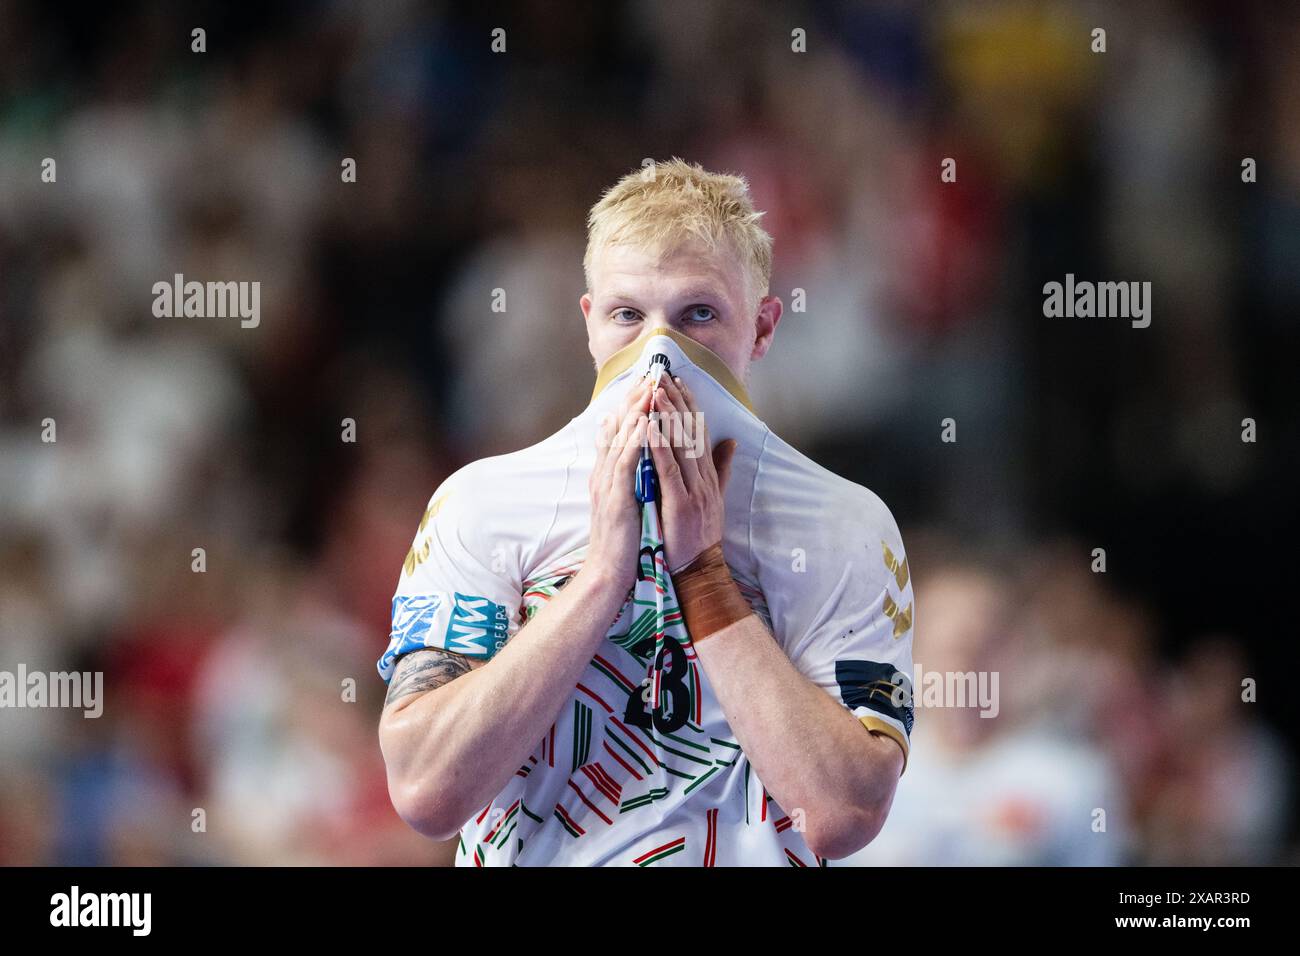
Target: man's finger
(637,397)
(608,431)
(617,445)
(680,395)
(624,471)
(666,466)
(604,438)
(671,402)
(722,456)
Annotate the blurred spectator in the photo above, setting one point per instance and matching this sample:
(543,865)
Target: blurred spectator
(990,781)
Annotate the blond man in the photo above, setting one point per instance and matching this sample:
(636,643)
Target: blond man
(661,636)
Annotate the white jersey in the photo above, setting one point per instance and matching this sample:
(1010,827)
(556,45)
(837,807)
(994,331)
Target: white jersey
(818,558)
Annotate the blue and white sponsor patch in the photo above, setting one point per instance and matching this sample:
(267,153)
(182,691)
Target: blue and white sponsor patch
(478,627)
(416,625)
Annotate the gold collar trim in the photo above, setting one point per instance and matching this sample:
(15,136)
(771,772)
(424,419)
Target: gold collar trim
(626,357)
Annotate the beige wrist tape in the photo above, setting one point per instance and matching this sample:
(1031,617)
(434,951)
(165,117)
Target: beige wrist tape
(708,595)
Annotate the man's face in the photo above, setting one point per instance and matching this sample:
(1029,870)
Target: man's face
(702,293)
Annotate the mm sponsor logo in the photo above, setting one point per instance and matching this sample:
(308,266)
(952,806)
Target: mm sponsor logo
(478,627)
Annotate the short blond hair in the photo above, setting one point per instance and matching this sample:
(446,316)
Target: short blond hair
(665,204)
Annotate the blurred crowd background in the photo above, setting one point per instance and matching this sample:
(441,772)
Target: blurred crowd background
(225,689)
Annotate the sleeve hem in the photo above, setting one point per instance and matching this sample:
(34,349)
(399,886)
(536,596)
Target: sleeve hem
(878,726)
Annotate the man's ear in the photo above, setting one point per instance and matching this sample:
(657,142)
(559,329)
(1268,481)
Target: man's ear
(769,314)
(584,303)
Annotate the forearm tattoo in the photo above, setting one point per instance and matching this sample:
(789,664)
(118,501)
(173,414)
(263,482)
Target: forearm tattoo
(425,670)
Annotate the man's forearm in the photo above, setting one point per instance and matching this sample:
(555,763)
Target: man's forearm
(450,750)
(810,752)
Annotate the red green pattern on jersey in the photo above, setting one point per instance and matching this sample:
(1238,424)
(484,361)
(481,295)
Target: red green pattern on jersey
(651,857)
(614,760)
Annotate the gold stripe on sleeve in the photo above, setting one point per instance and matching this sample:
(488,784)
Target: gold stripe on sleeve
(876,725)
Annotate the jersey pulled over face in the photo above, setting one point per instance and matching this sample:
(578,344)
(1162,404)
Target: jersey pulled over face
(617,781)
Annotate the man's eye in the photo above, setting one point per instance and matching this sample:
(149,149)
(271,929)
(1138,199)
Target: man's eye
(625,316)
(701,313)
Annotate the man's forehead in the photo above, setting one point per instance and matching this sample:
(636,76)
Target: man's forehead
(690,269)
